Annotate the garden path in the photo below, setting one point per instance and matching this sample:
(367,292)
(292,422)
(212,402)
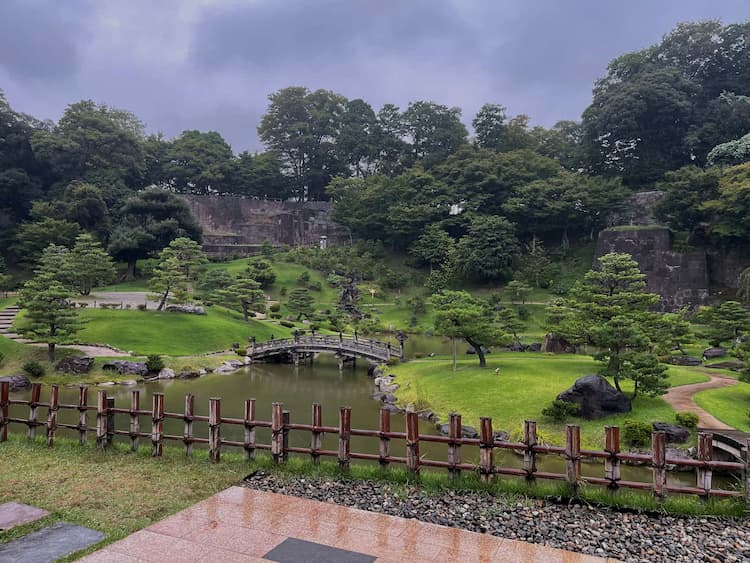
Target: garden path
(681,399)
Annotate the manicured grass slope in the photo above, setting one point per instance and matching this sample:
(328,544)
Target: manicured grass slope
(173,334)
(526,384)
(731,405)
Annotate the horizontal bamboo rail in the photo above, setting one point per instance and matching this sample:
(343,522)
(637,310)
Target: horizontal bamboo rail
(281,426)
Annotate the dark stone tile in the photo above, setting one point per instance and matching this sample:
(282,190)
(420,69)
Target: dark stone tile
(14,514)
(49,544)
(293,550)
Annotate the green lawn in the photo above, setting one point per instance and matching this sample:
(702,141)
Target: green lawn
(731,405)
(526,384)
(173,334)
(114,491)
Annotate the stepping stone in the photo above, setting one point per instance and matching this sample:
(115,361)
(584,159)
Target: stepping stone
(292,550)
(49,544)
(14,514)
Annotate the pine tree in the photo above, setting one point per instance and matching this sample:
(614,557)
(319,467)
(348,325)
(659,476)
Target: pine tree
(244,294)
(50,317)
(88,265)
(301,302)
(180,264)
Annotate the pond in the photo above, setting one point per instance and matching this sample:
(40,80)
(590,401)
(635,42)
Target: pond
(298,388)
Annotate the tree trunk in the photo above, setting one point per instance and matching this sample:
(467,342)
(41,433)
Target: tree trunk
(454,352)
(163,300)
(480,352)
(51,352)
(130,273)
(565,240)
(244,311)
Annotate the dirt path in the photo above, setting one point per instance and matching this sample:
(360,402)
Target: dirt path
(681,399)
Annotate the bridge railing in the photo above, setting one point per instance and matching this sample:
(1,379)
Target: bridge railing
(456,444)
(328,342)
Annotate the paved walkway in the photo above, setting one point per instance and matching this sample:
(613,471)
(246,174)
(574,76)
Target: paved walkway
(681,399)
(243,525)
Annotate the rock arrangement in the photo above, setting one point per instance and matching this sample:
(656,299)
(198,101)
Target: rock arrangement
(602,532)
(188,309)
(124,367)
(76,365)
(17,382)
(595,397)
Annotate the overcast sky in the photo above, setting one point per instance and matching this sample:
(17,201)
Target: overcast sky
(210,64)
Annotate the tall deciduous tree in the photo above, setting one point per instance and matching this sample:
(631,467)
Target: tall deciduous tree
(487,251)
(149,221)
(435,130)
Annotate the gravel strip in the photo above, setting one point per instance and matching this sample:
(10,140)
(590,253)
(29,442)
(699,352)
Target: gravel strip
(595,531)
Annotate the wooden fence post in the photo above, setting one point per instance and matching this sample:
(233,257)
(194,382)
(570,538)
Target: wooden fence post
(384,440)
(412,442)
(285,421)
(486,443)
(83,413)
(157,424)
(316,440)
(249,445)
(454,446)
(135,424)
(187,418)
(345,428)
(54,402)
(529,455)
(101,420)
(573,455)
(110,420)
(276,437)
(659,463)
(704,474)
(4,410)
(36,390)
(214,429)
(612,463)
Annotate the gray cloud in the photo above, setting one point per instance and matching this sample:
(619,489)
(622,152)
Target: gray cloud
(210,64)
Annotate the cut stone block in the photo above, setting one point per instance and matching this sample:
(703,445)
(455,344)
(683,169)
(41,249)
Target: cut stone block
(49,544)
(14,514)
(292,550)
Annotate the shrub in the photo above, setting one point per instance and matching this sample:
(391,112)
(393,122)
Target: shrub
(687,419)
(275,315)
(523,313)
(304,278)
(315,286)
(241,352)
(83,305)
(288,324)
(154,363)
(34,369)
(560,411)
(275,308)
(283,291)
(141,306)
(636,434)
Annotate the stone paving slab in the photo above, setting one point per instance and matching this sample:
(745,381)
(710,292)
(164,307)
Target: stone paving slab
(246,525)
(49,544)
(14,514)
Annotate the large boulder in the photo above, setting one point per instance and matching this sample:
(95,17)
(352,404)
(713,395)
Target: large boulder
(595,397)
(534,347)
(124,367)
(714,352)
(166,373)
(75,364)
(684,361)
(374,370)
(557,345)
(186,308)
(675,434)
(17,382)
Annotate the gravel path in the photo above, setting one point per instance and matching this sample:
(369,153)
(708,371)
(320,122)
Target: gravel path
(594,531)
(681,399)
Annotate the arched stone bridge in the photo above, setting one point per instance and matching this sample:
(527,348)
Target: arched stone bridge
(342,346)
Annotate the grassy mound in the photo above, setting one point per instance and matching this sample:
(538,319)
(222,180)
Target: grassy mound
(731,405)
(525,385)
